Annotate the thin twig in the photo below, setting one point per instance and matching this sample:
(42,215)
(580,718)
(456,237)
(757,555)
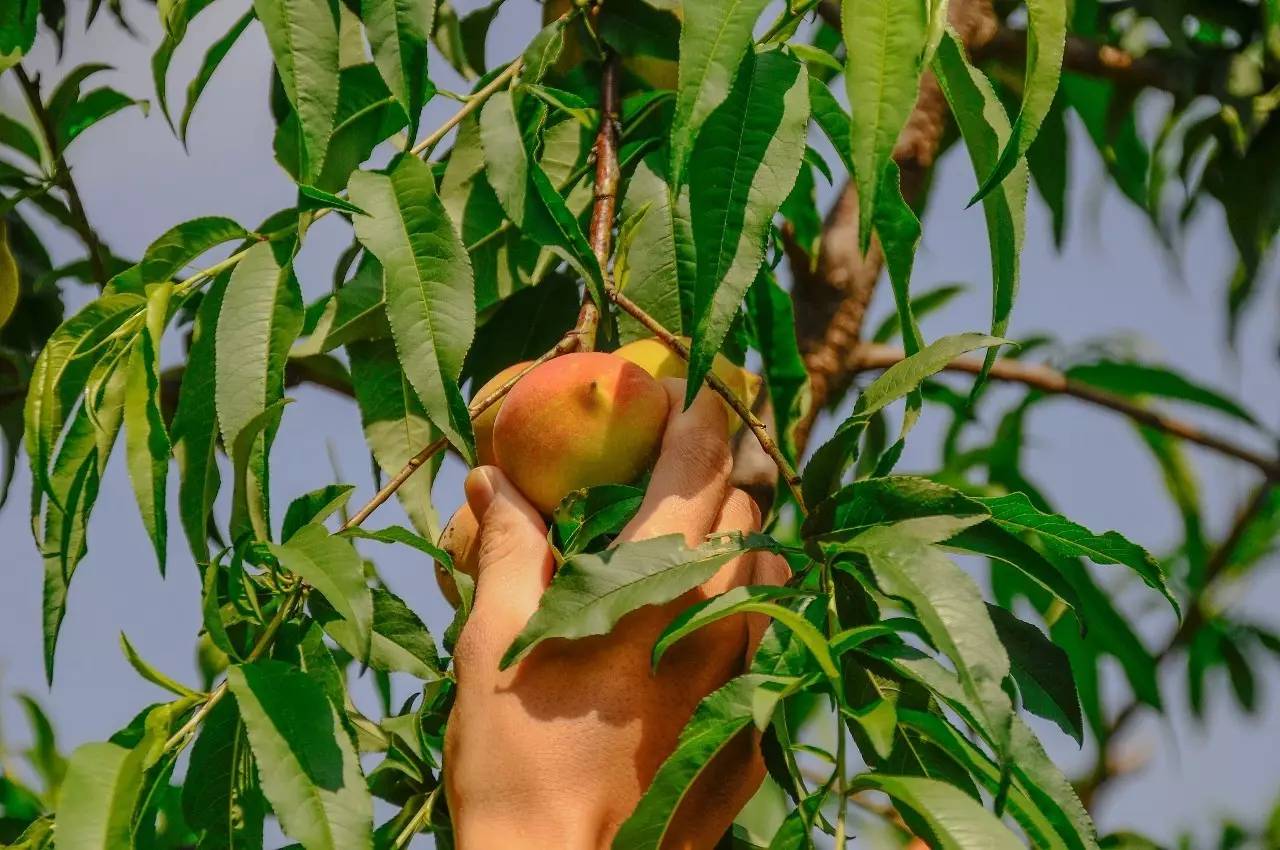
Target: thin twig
(1047,380)
(722,389)
(62,175)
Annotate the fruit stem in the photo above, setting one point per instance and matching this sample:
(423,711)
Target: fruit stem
(722,389)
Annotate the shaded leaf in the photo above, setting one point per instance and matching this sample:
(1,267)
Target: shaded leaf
(398,32)
(400,642)
(308,768)
(212,60)
(955,819)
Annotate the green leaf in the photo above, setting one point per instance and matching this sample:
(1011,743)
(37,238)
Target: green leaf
(221,800)
(72,485)
(823,472)
(151,674)
(311,198)
(1040,830)
(247,515)
(950,607)
(715,722)
(527,194)
(314,507)
(921,305)
(195,424)
(985,127)
(659,268)
(368,114)
(1042,671)
(430,290)
(17,31)
(1049,160)
(15,135)
(398,32)
(955,819)
(590,593)
(1140,379)
(176,16)
(9,283)
(1046,42)
(400,642)
(994,542)
(95,106)
(395,426)
(308,768)
(1065,538)
(1032,770)
(748,152)
(60,374)
(715,35)
(96,803)
(585,515)
(212,59)
(928,508)
(747,600)
(147,446)
(331,565)
(260,318)
(784,371)
(1112,126)
(462,40)
(303,36)
(885,42)
(182,243)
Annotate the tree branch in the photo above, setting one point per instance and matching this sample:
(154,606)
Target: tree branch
(62,175)
(1051,381)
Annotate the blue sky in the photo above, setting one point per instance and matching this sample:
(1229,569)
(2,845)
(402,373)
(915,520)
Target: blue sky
(1113,279)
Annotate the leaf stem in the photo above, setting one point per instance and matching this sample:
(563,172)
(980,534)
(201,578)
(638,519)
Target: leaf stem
(758,428)
(419,819)
(62,175)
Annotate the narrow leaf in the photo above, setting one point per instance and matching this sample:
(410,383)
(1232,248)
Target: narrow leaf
(749,153)
(956,820)
(430,290)
(303,36)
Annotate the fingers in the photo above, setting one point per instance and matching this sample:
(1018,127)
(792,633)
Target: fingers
(739,513)
(769,569)
(689,480)
(515,561)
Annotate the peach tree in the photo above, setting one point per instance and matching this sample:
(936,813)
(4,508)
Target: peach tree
(643,168)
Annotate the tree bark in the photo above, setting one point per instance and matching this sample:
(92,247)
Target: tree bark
(830,296)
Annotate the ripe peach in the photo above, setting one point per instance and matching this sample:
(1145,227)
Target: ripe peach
(661,362)
(461,539)
(483,424)
(577,421)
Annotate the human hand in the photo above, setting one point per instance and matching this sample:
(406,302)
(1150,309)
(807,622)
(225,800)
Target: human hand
(557,750)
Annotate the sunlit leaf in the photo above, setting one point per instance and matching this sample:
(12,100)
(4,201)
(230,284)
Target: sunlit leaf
(331,565)
(430,290)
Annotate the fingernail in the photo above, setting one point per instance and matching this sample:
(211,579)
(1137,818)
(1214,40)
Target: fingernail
(480,489)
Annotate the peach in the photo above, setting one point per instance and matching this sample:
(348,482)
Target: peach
(483,424)
(577,421)
(461,539)
(661,362)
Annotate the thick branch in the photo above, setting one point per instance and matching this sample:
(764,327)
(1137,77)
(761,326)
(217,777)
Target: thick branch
(62,175)
(1048,380)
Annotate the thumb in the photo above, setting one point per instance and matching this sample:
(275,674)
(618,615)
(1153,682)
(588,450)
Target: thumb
(515,560)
